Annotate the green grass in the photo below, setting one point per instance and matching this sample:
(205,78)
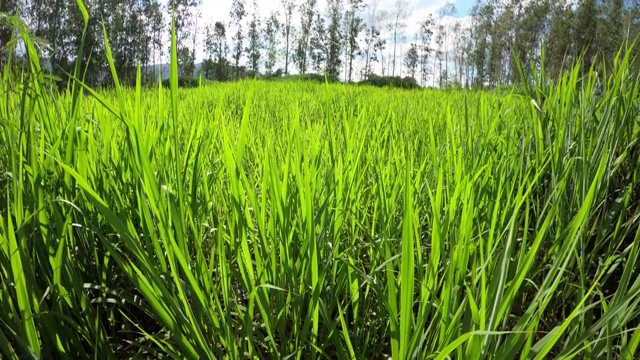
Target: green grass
(297,220)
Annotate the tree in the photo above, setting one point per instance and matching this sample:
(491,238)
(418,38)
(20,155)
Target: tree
(482,23)
(288,6)
(467,41)
(253,49)
(559,39)
(237,14)
(91,56)
(318,44)
(478,53)
(220,50)
(447,10)
(502,34)
(439,55)
(632,25)
(207,68)
(186,16)
(426,33)
(612,29)
(335,39)
(307,13)
(354,25)
(372,39)
(529,32)
(586,25)
(401,12)
(411,60)
(385,17)
(155,25)
(271,41)
(186,62)
(214,66)
(371,36)
(47,23)
(462,51)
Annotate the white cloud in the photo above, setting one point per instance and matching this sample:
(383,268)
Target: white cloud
(218,10)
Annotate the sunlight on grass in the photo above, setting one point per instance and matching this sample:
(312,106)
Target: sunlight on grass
(295,220)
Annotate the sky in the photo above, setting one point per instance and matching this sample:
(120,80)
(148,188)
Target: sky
(218,10)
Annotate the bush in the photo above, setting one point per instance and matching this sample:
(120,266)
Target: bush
(317,78)
(184,82)
(274,75)
(391,81)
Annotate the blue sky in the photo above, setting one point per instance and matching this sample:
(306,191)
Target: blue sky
(464,6)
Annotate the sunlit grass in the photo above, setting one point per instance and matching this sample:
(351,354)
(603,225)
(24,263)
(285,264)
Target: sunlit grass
(277,220)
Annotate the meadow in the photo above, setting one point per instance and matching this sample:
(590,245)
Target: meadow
(298,220)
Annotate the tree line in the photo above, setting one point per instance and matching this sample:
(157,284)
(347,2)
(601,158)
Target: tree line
(553,34)
(348,39)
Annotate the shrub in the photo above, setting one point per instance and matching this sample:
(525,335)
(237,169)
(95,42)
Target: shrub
(316,78)
(184,82)
(391,81)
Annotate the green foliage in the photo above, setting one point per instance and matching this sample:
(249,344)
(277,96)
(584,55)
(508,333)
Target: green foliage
(292,219)
(183,82)
(287,31)
(301,53)
(271,32)
(391,81)
(353,26)
(411,60)
(334,39)
(236,15)
(329,36)
(255,44)
(309,78)
(8,9)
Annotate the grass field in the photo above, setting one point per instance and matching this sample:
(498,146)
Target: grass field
(295,220)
